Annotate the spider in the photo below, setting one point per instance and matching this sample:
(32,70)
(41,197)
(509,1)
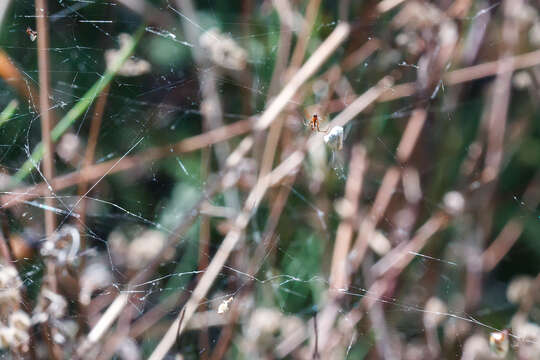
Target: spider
(31,33)
(314,124)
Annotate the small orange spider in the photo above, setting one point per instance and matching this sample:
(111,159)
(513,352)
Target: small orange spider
(314,124)
(31,34)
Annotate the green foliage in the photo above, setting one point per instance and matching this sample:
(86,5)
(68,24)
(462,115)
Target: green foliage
(300,261)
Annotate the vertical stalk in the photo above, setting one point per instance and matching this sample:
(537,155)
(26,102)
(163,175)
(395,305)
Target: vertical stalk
(44,105)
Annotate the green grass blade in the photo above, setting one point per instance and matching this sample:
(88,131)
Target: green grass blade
(8,112)
(76,111)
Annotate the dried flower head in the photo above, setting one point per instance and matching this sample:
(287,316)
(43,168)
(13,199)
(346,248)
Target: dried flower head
(130,67)
(9,286)
(476,347)
(21,339)
(454,202)
(223,50)
(69,147)
(519,289)
(144,248)
(417,15)
(50,305)
(263,320)
(435,312)
(379,243)
(6,337)
(529,340)
(63,245)
(95,276)
(19,320)
(522,80)
(13,338)
(129,350)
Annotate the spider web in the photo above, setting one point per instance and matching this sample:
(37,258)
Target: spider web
(282,274)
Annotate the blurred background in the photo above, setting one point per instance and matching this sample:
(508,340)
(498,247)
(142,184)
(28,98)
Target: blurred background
(299,179)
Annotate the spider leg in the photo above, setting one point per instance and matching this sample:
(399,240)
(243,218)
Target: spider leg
(323,131)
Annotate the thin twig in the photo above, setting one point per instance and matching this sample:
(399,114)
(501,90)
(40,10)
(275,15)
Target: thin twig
(42,14)
(467,74)
(4,247)
(286,18)
(301,46)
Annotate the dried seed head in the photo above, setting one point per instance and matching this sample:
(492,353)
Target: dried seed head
(521,80)
(69,147)
(6,337)
(263,321)
(380,244)
(144,248)
(95,276)
(20,340)
(519,289)
(454,202)
(14,339)
(50,305)
(130,67)
(9,277)
(435,312)
(417,15)
(129,350)
(415,351)
(118,245)
(475,348)
(223,50)
(19,320)
(63,245)
(529,340)
(9,286)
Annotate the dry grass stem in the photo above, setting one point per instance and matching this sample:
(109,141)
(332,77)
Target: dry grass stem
(217,245)
(338,273)
(42,14)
